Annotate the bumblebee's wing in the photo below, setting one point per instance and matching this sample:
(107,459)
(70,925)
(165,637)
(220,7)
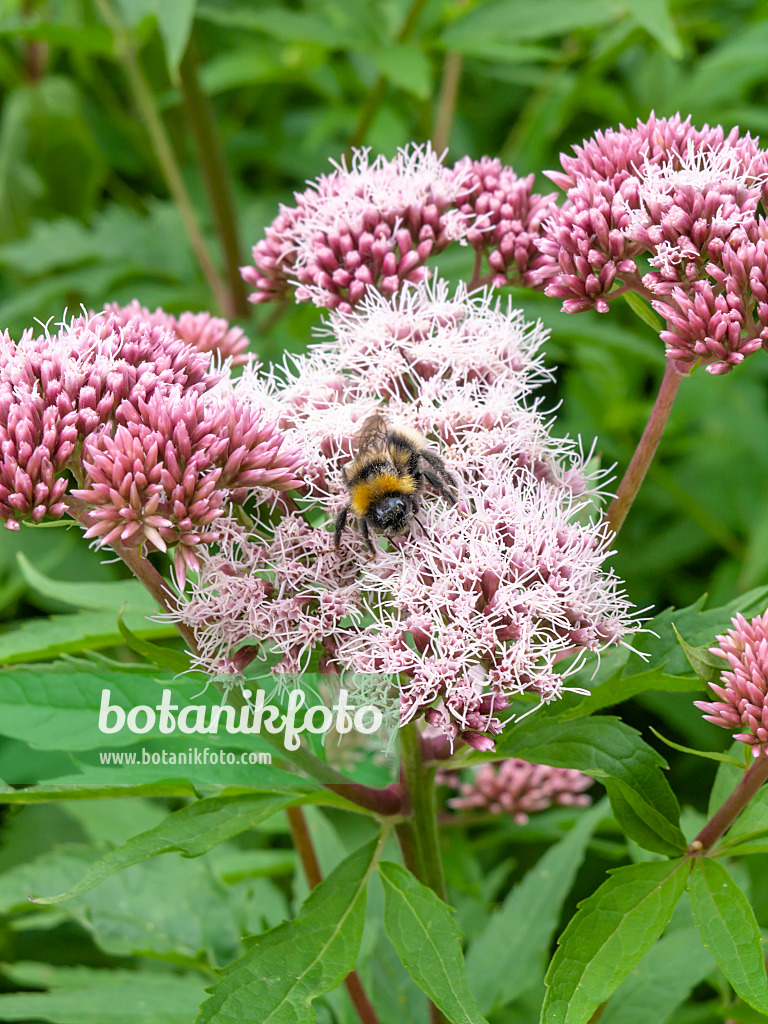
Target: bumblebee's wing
(372,437)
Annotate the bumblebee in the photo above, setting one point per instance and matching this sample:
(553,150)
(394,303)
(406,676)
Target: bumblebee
(386,479)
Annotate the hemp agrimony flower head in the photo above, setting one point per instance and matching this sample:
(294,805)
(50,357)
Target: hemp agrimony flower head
(506,218)
(369,226)
(517,787)
(743,696)
(118,420)
(670,211)
(476,604)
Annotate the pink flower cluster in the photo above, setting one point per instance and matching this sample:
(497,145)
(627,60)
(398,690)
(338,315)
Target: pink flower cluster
(120,420)
(506,217)
(476,604)
(669,211)
(369,226)
(373,226)
(743,695)
(518,788)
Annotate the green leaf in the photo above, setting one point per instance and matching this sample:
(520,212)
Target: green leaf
(406,67)
(421,928)
(655,18)
(174,22)
(661,981)
(711,755)
(490,23)
(56,707)
(609,934)
(706,665)
(190,832)
(506,958)
(83,996)
(41,638)
(128,594)
(57,794)
(643,311)
(606,748)
(288,966)
(698,625)
(163,657)
(728,929)
(619,688)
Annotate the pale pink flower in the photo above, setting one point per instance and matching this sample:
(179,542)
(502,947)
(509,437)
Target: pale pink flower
(367,227)
(518,788)
(202,331)
(743,695)
(475,604)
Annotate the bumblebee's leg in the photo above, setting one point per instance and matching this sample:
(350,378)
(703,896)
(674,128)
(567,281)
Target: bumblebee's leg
(367,537)
(341,522)
(439,466)
(439,486)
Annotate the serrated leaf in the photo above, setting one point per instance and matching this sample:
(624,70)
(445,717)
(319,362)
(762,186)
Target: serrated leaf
(619,688)
(421,928)
(190,832)
(506,958)
(729,930)
(609,934)
(661,981)
(606,748)
(288,966)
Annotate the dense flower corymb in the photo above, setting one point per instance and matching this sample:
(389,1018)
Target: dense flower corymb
(743,695)
(121,421)
(369,226)
(672,212)
(475,604)
(518,788)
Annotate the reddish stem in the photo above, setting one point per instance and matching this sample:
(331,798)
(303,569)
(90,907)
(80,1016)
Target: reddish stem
(306,850)
(646,449)
(725,816)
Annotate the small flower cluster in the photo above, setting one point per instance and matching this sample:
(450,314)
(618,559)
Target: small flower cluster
(122,419)
(475,604)
(506,217)
(372,227)
(670,211)
(743,696)
(518,788)
(369,226)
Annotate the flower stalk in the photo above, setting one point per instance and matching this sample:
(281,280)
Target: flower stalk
(646,449)
(725,816)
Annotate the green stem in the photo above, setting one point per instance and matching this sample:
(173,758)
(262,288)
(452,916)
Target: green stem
(646,449)
(145,102)
(419,781)
(216,176)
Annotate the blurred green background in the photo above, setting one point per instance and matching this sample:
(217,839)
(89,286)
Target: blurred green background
(136,133)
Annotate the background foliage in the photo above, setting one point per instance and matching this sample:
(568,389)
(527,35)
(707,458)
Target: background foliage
(86,217)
